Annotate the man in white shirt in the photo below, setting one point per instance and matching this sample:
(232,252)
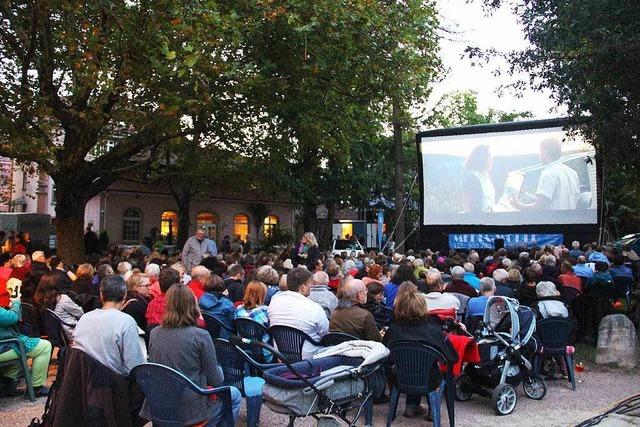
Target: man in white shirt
(558,185)
(436,300)
(293,308)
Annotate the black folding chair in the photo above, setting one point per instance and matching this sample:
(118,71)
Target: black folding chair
(30,320)
(55,334)
(622,289)
(165,388)
(416,365)
(568,294)
(554,334)
(290,341)
(335,338)
(214,326)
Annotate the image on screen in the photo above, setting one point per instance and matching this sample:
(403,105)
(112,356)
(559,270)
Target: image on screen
(534,176)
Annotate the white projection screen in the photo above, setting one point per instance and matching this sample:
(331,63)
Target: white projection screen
(508,178)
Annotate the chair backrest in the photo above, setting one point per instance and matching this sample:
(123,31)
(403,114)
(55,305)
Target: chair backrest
(335,338)
(414,363)
(30,320)
(622,286)
(214,326)
(165,390)
(250,329)
(53,326)
(568,294)
(289,341)
(554,333)
(234,366)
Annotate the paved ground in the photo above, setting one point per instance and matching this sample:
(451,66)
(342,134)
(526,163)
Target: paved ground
(598,389)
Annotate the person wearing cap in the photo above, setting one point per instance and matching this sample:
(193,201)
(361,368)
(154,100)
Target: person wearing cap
(549,303)
(38,350)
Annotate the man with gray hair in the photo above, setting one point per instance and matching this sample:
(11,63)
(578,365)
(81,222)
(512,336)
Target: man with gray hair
(477,305)
(470,275)
(436,300)
(321,293)
(458,285)
(109,335)
(575,251)
(502,289)
(350,318)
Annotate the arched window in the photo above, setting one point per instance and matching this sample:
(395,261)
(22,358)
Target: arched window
(169,226)
(241,226)
(270,225)
(209,222)
(131,225)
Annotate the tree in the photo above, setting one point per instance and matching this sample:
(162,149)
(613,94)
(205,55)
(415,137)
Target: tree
(587,53)
(92,89)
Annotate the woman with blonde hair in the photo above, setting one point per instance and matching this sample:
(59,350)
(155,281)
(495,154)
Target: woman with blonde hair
(137,298)
(180,344)
(83,285)
(307,252)
(410,312)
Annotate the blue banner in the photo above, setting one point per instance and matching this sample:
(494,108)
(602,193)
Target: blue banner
(487,241)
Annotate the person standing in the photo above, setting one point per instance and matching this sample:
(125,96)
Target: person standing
(195,250)
(307,252)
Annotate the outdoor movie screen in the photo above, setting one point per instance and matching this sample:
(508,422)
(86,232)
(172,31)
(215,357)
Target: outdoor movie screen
(524,177)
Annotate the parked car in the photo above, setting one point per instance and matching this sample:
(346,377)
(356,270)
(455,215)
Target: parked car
(630,240)
(351,247)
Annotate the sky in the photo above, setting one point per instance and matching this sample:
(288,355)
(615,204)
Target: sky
(468,24)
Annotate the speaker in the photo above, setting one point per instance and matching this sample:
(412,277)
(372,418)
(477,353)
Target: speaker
(498,243)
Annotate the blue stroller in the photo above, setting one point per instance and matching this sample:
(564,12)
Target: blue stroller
(506,346)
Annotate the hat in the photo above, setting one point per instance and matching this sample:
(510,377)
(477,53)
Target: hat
(287,265)
(396,257)
(546,289)
(411,258)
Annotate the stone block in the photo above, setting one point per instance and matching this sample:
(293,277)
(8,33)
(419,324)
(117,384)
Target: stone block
(617,342)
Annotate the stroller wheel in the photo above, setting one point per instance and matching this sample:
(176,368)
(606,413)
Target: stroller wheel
(463,388)
(534,387)
(504,399)
(327,421)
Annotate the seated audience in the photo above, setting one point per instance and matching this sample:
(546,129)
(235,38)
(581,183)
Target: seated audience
(137,298)
(436,300)
(269,276)
(411,324)
(199,276)
(155,310)
(38,350)
(253,308)
(374,304)
(403,273)
(619,269)
(64,277)
(109,335)
(477,305)
(374,273)
(214,303)
(152,270)
(514,279)
(527,292)
(179,344)
(568,278)
(49,296)
(333,270)
(321,293)
(470,276)
(502,289)
(549,303)
(234,283)
(601,283)
(458,285)
(292,308)
(84,282)
(581,269)
(350,317)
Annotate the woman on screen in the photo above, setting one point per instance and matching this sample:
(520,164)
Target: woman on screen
(478,193)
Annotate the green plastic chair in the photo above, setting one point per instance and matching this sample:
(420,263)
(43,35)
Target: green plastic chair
(22,360)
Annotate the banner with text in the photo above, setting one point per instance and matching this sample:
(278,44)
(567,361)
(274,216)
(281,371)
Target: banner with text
(487,241)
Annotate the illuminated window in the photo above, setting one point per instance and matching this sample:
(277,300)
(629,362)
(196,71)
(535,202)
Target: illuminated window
(169,225)
(241,226)
(131,225)
(270,225)
(347,231)
(209,222)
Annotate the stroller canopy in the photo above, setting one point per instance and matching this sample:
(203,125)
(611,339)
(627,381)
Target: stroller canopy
(504,314)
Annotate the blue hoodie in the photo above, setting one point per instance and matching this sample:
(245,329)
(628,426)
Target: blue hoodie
(220,307)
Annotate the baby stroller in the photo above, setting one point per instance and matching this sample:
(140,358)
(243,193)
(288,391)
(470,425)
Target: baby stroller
(505,344)
(335,381)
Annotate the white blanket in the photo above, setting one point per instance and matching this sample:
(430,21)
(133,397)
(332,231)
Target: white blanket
(371,351)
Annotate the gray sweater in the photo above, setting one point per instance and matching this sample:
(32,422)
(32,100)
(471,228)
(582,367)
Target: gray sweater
(190,351)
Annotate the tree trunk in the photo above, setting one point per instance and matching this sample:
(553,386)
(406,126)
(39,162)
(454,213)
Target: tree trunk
(70,208)
(398,178)
(309,217)
(184,218)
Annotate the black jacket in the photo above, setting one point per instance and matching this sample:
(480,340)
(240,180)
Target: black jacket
(527,295)
(87,393)
(136,307)
(310,261)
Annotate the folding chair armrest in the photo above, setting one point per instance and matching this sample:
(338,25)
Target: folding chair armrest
(216,390)
(18,341)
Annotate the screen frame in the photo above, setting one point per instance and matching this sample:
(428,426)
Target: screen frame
(437,235)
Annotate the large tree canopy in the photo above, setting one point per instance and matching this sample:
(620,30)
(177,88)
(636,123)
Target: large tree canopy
(588,54)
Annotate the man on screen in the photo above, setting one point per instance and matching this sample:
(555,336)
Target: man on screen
(558,185)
